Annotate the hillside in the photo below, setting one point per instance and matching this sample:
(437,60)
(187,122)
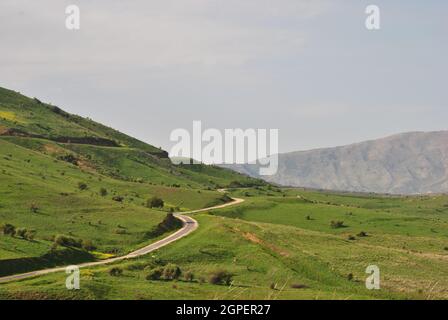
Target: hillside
(48,129)
(407,163)
(66,177)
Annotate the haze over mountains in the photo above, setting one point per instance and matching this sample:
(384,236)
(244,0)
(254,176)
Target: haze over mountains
(407,163)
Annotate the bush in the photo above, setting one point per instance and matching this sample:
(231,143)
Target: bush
(103,192)
(168,272)
(155,274)
(337,224)
(116,272)
(221,277)
(30,234)
(82,186)
(350,277)
(362,234)
(70,158)
(8,229)
(171,272)
(66,241)
(21,233)
(118,198)
(351,238)
(155,202)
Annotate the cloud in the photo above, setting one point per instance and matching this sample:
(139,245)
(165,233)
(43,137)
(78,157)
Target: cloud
(151,33)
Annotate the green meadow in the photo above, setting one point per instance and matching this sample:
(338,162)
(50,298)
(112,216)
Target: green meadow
(273,251)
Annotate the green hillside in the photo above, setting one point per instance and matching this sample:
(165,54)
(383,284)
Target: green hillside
(66,176)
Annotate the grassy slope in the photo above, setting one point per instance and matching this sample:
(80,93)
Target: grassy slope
(260,250)
(32,173)
(130,160)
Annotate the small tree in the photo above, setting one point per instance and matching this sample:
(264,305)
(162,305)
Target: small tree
(155,202)
(171,272)
(8,229)
(82,186)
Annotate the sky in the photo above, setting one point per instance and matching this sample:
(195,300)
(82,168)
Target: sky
(308,68)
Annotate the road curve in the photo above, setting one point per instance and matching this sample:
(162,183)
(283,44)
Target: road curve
(189,225)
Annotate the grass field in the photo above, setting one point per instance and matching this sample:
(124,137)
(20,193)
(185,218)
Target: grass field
(274,252)
(31,179)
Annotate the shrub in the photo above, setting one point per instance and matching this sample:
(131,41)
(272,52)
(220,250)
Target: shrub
(82,186)
(337,224)
(116,272)
(66,241)
(21,233)
(118,198)
(70,158)
(8,229)
(155,274)
(103,192)
(30,234)
(155,202)
(221,277)
(362,234)
(351,238)
(171,272)
(350,277)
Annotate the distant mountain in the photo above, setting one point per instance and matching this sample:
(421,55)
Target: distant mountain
(407,163)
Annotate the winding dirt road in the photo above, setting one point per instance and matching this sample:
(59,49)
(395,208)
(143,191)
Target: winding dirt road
(189,225)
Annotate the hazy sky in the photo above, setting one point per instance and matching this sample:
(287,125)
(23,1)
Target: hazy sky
(309,68)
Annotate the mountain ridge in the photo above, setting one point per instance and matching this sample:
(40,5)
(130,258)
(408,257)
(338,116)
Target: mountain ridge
(405,163)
